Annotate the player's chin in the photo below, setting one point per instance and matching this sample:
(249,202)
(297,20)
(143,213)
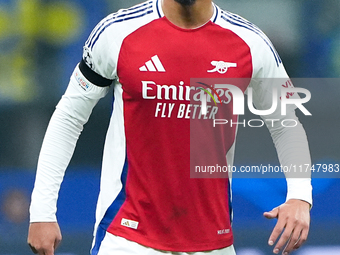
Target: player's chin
(186,2)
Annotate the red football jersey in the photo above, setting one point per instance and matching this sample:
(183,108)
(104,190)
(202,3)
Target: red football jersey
(147,195)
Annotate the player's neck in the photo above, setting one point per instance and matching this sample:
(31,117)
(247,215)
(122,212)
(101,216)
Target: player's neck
(188,16)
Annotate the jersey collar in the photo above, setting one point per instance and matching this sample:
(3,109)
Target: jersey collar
(161,14)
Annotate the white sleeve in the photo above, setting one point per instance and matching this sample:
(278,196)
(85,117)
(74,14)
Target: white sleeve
(65,126)
(293,151)
(291,143)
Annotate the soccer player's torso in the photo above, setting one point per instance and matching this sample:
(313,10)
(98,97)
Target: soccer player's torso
(162,207)
(154,68)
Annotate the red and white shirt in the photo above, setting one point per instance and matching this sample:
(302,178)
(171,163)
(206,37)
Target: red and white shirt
(146,192)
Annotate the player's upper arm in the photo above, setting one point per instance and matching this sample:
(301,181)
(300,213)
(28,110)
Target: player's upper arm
(92,77)
(100,53)
(268,80)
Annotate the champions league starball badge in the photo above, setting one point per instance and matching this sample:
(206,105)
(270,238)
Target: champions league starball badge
(87,57)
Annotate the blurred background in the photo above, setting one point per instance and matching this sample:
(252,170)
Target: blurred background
(41,42)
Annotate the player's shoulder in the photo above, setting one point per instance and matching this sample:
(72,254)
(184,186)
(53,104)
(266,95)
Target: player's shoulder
(247,30)
(239,25)
(235,22)
(146,9)
(124,21)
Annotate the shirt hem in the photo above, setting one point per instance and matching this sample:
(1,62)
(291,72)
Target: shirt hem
(155,244)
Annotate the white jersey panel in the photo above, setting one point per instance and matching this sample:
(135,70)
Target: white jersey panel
(101,50)
(113,158)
